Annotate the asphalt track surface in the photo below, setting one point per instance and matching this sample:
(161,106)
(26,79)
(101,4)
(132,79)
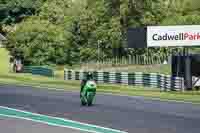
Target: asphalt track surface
(131,114)
(12,125)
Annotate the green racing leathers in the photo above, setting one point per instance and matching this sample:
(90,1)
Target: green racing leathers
(88,93)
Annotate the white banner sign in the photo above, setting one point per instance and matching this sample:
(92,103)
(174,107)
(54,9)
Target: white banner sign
(164,36)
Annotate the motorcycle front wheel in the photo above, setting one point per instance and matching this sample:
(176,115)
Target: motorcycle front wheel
(90,98)
(83,102)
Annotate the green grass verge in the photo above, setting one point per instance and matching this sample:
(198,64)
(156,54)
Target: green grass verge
(4,61)
(58,83)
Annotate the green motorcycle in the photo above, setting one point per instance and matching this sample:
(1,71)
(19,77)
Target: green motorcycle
(88,93)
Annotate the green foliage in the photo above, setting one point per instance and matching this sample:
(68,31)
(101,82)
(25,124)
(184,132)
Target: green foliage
(55,11)
(38,42)
(182,20)
(69,31)
(12,11)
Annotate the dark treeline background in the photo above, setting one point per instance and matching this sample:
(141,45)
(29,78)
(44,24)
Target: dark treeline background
(45,32)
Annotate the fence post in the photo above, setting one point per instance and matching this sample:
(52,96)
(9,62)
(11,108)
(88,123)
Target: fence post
(134,62)
(130,60)
(182,84)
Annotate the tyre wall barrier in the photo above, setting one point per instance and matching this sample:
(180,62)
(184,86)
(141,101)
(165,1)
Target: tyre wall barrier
(38,70)
(154,80)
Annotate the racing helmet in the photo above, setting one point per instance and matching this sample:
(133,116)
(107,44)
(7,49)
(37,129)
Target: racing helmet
(89,76)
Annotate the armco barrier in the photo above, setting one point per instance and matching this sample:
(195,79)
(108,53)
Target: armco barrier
(164,82)
(38,70)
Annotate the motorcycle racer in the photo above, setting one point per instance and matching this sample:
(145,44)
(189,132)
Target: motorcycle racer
(89,76)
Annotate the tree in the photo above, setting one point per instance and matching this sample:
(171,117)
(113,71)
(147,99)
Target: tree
(14,11)
(73,30)
(39,42)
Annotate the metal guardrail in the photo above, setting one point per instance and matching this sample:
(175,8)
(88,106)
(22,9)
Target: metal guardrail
(38,70)
(164,82)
